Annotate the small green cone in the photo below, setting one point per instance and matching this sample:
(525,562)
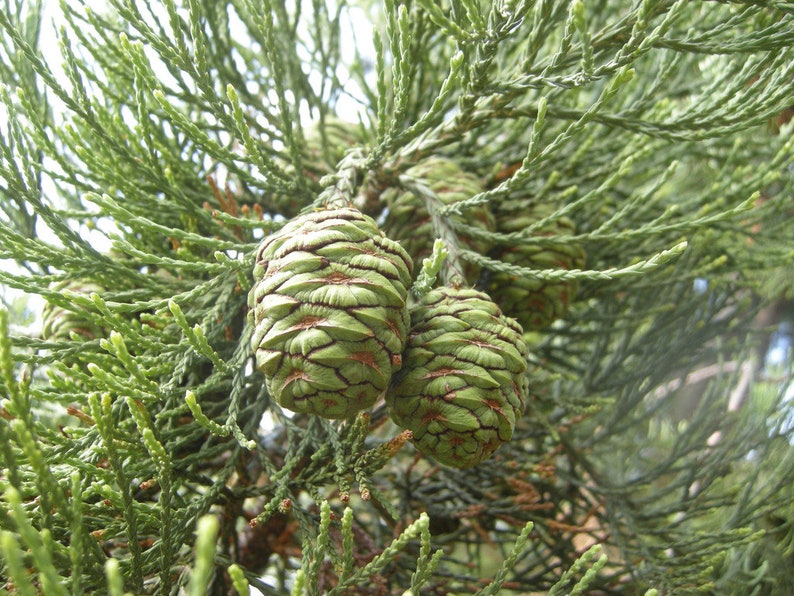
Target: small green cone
(536,303)
(409,222)
(59,323)
(330,314)
(462,386)
(323,150)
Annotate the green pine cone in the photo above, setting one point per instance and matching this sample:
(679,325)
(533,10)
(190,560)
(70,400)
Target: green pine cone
(59,323)
(320,157)
(535,303)
(409,222)
(462,387)
(340,136)
(330,314)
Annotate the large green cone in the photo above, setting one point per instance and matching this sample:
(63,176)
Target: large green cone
(536,303)
(330,315)
(409,222)
(462,386)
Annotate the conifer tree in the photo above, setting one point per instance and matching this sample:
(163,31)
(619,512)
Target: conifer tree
(394,297)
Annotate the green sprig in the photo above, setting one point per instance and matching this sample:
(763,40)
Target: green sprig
(195,335)
(239,581)
(508,563)
(195,409)
(431,267)
(15,566)
(315,554)
(388,554)
(115,580)
(593,560)
(206,536)
(427,562)
(36,542)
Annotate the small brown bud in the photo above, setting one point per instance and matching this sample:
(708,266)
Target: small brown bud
(285,506)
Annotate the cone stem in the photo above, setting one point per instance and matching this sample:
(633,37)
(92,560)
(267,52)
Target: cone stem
(341,186)
(452,274)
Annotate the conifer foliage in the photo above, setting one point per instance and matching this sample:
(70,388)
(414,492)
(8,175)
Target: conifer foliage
(238,381)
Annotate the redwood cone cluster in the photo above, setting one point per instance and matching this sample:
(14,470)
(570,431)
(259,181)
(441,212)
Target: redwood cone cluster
(334,331)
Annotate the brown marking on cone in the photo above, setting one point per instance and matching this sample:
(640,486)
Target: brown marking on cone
(366,358)
(442,372)
(430,416)
(329,403)
(454,440)
(481,344)
(337,277)
(308,322)
(393,327)
(494,405)
(294,376)
(450,395)
(359,400)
